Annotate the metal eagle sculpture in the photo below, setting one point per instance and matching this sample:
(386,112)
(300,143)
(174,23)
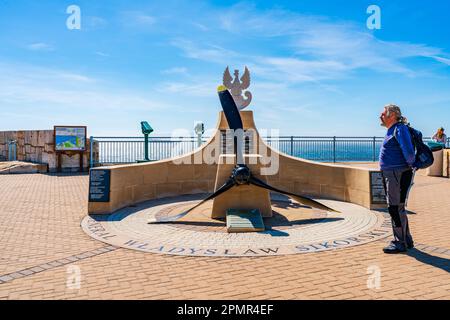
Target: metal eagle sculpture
(237,85)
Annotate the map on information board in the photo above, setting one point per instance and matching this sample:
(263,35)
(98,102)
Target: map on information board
(70,138)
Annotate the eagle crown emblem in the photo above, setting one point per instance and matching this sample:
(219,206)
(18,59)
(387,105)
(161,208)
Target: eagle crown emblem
(237,86)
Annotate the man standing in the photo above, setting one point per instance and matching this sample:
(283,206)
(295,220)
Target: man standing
(397,156)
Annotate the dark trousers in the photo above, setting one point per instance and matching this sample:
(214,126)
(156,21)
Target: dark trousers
(397,184)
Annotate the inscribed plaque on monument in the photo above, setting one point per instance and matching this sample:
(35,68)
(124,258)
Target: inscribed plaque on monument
(99,185)
(377,192)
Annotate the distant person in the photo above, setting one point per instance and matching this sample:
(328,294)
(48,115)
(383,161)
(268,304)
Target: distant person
(397,156)
(440,136)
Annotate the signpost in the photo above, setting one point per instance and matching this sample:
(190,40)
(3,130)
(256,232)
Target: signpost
(70,140)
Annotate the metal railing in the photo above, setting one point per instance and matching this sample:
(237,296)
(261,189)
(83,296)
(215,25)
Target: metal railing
(120,150)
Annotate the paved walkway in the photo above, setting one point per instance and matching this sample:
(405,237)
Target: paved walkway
(42,247)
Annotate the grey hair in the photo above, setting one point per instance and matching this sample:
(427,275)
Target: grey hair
(395,109)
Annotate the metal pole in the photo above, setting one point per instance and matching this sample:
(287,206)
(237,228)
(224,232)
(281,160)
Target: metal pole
(199,140)
(292,145)
(146,148)
(334,149)
(91,152)
(373,154)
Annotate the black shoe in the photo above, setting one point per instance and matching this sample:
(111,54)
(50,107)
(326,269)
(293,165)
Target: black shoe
(410,245)
(394,247)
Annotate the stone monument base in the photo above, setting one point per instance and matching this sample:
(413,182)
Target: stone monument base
(243,196)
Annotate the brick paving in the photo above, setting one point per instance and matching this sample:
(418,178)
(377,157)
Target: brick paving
(41,240)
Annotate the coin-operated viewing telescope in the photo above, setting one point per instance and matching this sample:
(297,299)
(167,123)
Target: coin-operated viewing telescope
(146,130)
(199,129)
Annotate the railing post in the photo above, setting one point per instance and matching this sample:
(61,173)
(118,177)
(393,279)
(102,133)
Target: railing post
(373,154)
(334,149)
(292,145)
(146,147)
(199,139)
(91,152)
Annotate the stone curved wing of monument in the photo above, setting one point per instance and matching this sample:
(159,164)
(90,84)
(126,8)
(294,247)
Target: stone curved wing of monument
(190,174)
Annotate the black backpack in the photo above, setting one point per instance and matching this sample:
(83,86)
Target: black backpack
(424,155)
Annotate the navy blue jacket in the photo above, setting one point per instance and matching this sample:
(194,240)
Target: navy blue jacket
(397,150)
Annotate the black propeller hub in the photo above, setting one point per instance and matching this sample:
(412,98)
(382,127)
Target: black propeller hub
(241,175)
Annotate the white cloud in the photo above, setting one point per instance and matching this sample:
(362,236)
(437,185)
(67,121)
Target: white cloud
(101,54)
(93,22)
(441,59)
(297,70)
(73,77)
(25,86)
(315,48)
(196,88)
(40,46)
(200,26)
(145,19)
(138,18)
(355,49)
(211,53)
(175,70)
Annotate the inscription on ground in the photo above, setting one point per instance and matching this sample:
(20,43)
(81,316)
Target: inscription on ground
(128,229)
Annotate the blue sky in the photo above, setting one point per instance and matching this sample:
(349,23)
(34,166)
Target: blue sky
(316,68)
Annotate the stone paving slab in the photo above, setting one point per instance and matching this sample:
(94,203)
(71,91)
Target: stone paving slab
(41,217)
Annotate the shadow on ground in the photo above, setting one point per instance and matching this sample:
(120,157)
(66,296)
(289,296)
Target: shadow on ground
(65,174)
(437,262)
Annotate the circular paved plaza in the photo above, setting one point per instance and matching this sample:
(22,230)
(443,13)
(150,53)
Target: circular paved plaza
(293,229)
(42,246)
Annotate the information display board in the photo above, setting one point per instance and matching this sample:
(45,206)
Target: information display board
(70,138)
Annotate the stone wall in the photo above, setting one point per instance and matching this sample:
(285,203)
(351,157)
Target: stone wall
(38,146)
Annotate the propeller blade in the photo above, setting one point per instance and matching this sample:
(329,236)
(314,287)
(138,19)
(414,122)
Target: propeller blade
(225,187)
(302,199)
(229,108)
(234,121)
